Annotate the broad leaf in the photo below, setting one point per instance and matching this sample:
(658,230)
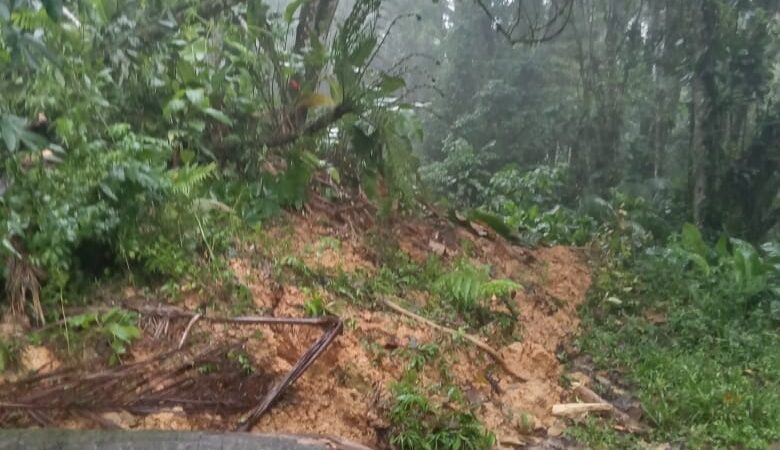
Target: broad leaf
(14,132)
(390,84)
(53,9)
(124,333)
(197,97)
(289,12)
(362,52)
(316,100)
(218,115)
(174,106)
(692,240)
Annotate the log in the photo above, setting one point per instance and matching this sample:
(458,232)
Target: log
(575,409)
(586,394)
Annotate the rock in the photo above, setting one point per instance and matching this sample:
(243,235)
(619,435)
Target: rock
(122,418)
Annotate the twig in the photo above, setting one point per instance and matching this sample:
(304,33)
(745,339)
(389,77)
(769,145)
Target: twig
(474,340)
(186,333)
(205,241)
(162,380)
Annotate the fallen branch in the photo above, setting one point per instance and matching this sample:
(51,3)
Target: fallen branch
(575,409)
(473,339)
(320,123)
(586,394)
(169,379)
(303,363)
(186,333)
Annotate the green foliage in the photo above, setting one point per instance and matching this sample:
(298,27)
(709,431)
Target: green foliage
(418,423)
(460,177)
(116,327)
(315,305)
(9,354)
(706,372)
(533,203)
(467,286)
(422,355)
(545,185)
(171,131)
(54,210)
(14,134)
(243,360)
(750,277)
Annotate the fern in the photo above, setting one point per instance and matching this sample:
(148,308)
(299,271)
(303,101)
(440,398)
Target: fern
(468,286)
(186,179)
(28,20)
(499,288)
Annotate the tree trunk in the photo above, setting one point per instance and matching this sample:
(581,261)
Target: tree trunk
(706,147)
(314,22)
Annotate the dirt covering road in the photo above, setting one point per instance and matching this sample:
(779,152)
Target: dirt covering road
(346,391)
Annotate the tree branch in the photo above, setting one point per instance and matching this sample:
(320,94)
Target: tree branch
(549,30)
(320,123)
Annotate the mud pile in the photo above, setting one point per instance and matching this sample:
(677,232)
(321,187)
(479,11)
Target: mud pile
(344,392)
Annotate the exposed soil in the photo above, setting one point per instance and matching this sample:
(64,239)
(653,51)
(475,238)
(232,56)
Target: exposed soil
(345,391)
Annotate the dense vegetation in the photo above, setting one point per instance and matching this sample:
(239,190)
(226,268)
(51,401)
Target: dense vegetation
(146,138)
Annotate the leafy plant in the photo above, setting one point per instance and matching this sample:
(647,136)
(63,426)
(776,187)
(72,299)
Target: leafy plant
(467,286)
(315,306)
(9,354)
(243,360)
(117,327)
(706,372)
(422,355)
(418,423)
(460,176)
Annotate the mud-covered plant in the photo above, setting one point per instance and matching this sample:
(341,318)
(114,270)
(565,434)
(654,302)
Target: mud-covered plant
(243,360)
(417,422)
(422,354)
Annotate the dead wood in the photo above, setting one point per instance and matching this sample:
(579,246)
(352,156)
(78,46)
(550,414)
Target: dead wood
(197,380)
(575,409)
(586,394)
(186,333)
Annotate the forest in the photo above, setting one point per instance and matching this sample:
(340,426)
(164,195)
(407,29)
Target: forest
(391,224)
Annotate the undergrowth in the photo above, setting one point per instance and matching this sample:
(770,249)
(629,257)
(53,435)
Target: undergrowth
(432,416)
(693,328)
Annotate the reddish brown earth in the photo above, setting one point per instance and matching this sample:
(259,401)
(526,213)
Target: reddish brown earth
(345,391)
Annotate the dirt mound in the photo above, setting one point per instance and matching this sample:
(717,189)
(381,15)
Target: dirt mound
(343,393)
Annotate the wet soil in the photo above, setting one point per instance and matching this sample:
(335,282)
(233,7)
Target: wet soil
(346,391)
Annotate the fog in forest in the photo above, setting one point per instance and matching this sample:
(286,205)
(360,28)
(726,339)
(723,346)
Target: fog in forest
(548,224)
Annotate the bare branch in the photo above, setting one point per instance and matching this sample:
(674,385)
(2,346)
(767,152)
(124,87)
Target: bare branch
(554,26)
(313,127)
